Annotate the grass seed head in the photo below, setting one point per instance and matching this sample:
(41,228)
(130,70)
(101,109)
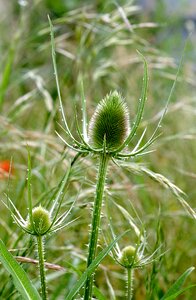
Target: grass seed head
(110,121)
(41,220)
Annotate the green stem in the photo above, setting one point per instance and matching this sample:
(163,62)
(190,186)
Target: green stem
(40,246)
(129,283)
(104,158)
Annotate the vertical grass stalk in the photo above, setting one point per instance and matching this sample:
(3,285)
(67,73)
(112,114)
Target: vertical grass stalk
(104,158)
(40,247)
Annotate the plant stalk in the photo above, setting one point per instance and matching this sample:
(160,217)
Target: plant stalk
(104,158)
(40,246)
(129,283)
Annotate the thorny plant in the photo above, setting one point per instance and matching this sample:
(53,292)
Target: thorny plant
(41,222)
(108,136)
(133,256)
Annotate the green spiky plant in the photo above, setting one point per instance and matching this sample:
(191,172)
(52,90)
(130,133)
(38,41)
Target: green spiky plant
(108,137)
(134,255)
(41,222)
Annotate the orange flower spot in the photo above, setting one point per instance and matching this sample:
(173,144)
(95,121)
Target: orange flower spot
(5,168)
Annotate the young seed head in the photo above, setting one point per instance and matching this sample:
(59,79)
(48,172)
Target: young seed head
(110,121)
(128,256)
(41,221)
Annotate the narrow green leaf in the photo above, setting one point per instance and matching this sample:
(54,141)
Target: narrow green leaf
(174,296)
(57,78)
(30,206)
(79,284)
(98,294)
(21,280)
(58,199)
(6,74)
(140,110)
(174,290)
(84,114)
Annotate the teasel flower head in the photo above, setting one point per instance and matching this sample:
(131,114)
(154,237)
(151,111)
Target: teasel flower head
(110,121)
(41,221)
(128,256)
(109,129)
(134,257)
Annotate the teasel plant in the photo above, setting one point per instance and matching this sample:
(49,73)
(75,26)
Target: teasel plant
(108,136)
(41,222)
(134,255)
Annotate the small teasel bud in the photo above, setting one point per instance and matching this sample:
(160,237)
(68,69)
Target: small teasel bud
(110,121)
(128,256)
(41,221)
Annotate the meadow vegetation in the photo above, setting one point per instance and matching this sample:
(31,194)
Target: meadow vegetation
(102,47)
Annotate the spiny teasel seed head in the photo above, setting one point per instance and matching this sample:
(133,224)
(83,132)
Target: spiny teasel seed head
(110,121)
(41,221)
(128,256)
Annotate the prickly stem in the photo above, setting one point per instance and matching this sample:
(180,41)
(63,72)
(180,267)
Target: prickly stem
(104,158)
(40,246)
(129,283)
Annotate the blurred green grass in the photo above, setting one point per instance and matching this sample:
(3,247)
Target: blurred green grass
(97,41)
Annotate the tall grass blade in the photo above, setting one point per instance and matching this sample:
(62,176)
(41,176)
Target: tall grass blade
(84,114)
(98,294)
(79,284)
(6,75)
(57,78)
(175,289)
(21,281)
